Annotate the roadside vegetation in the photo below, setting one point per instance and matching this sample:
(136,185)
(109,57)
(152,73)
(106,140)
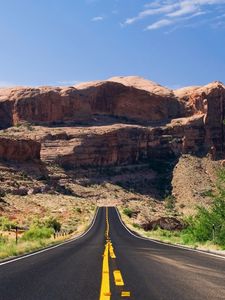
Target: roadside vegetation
(18,238)
(39,235)
(205,229)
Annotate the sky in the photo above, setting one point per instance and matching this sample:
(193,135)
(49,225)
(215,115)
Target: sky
(64,42)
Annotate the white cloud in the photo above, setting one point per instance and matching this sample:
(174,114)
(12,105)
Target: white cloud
(168,12)
(159,24)
(167,22)
(150,12)
(97,19)
(184,9)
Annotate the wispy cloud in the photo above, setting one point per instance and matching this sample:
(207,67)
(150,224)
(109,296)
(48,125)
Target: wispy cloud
(97,19)
(168,12)
(159,24)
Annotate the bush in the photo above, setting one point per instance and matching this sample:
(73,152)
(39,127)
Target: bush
(209,223)
(78,209)
(138,226)
(128,212)
(170,202)
(36,233)
(2,193)
(52,223)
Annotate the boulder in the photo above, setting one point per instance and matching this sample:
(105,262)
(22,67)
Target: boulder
(167,223)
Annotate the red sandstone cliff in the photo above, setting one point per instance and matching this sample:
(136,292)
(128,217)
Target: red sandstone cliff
(188,120)
(48,104)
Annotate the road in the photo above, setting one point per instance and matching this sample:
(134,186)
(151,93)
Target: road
(145,270)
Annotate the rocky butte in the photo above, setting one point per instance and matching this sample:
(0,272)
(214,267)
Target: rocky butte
(122,120)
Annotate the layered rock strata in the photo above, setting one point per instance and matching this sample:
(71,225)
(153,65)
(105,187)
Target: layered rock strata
(19,149)
(127,120)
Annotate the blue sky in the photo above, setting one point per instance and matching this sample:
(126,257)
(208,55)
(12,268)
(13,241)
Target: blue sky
(60,42)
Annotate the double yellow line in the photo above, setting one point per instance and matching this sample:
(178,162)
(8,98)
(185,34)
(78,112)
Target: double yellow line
(105,293)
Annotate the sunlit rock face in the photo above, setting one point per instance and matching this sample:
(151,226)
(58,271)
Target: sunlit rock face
(122,120)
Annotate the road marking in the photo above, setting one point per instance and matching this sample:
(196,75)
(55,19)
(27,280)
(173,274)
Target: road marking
(118,278)
(107,223)
(165,244)
(111,251)
(52,247)
(105,293)
(125,294)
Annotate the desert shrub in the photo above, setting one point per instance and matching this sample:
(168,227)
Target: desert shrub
(37,233)
(128,212)
(170,202)
(64,190)
(52,223)
(78,209)
(6,224)
(2,193)
(207,193)
(138,226)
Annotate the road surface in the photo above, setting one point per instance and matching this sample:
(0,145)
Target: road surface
(145,270)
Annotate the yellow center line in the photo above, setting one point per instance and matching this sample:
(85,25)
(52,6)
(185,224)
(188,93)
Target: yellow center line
(105,285)
(105,293)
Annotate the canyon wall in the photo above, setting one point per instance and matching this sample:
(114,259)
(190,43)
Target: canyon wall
(147,121)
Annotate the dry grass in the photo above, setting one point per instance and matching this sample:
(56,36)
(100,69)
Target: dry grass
(10,248)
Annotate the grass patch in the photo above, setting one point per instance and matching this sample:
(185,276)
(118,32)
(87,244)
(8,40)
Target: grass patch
(128,212)
(36,234)
(9,248)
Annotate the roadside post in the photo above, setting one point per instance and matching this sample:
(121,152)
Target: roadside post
(213,228)
(16,234)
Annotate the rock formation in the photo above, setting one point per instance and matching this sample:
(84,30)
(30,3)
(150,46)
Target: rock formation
(122,120)
(19,149)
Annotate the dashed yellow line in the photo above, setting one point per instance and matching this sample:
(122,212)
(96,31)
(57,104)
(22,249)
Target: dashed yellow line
(118,278)
(125,294)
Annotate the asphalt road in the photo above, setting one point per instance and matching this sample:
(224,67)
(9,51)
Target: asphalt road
(150,271)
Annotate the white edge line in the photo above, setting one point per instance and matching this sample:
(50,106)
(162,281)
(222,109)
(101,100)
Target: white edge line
(52,247)
(164,243)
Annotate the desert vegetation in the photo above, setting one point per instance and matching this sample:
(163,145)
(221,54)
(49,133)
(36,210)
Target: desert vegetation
(26,230)
(205,228)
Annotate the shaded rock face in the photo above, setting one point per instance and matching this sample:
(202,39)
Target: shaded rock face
(113,98)
(19,150)
(118,146)
(124,144)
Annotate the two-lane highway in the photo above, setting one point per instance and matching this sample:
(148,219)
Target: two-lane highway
(139,269)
